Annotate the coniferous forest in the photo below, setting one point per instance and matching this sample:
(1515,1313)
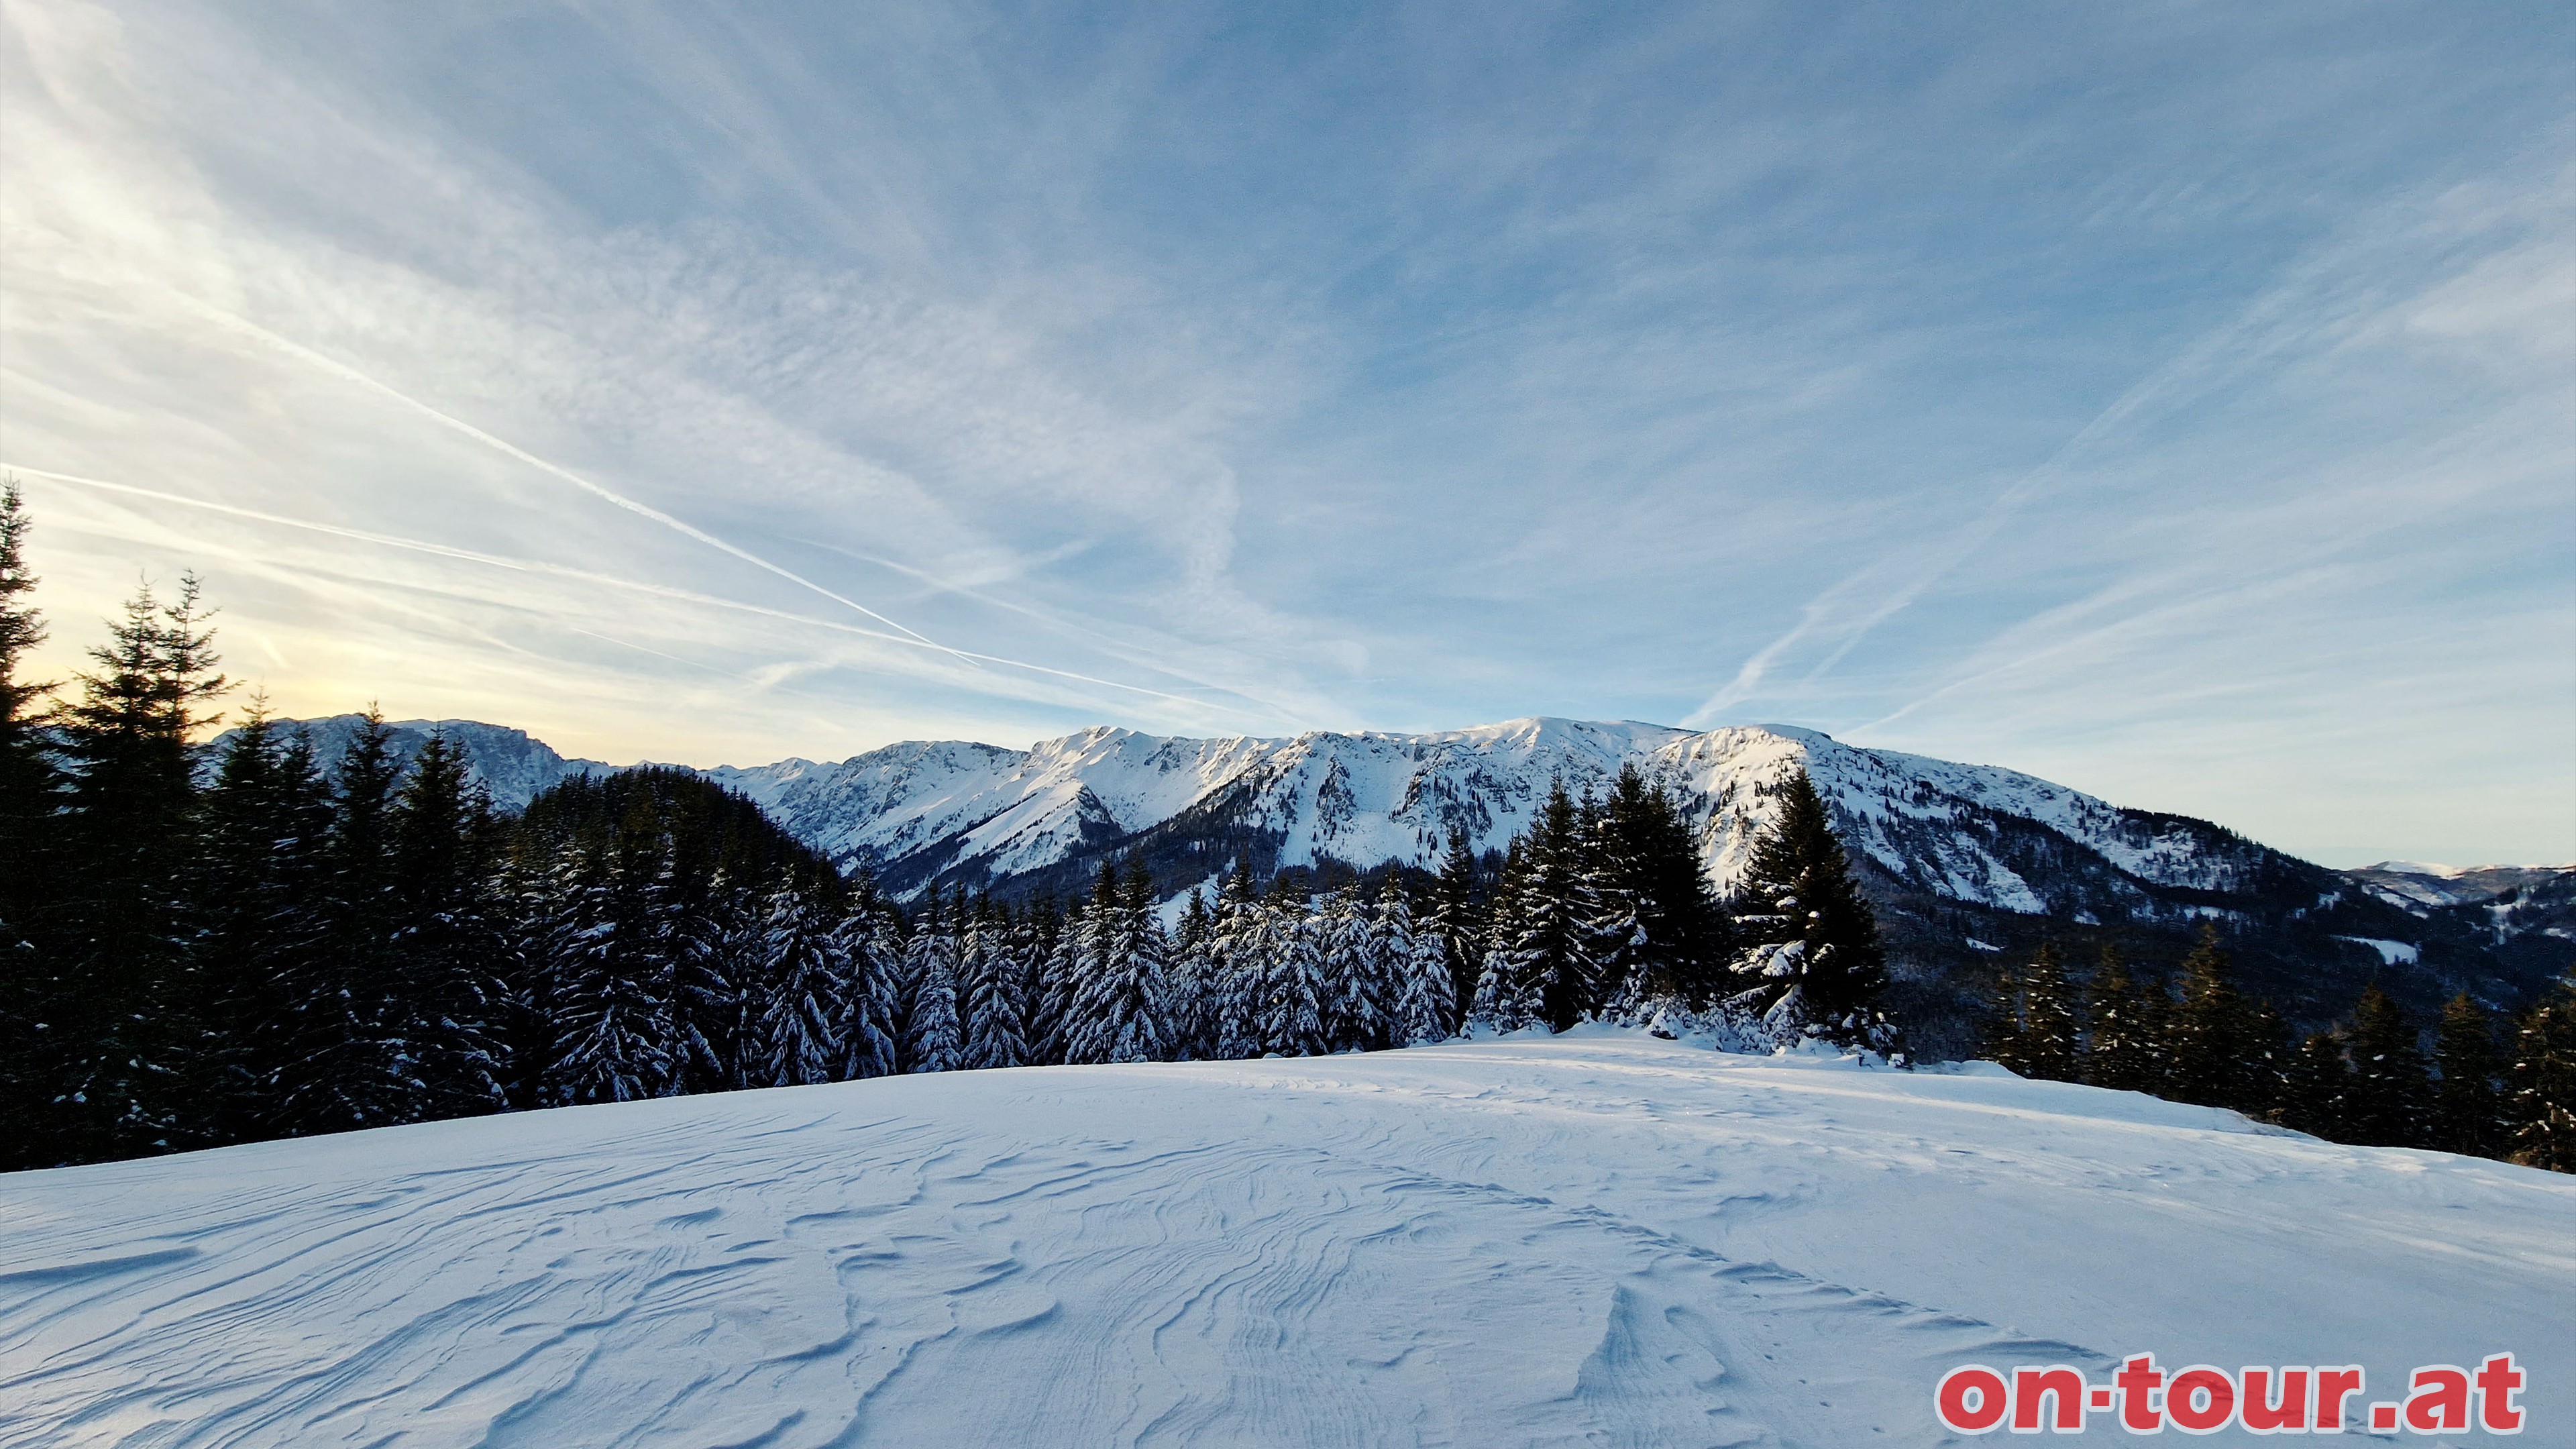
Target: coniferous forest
(206,944)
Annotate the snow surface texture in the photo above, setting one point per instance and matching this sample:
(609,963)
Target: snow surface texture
(1591,1239)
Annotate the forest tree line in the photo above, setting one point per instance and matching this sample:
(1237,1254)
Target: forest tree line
(200,947)
(2490,1087)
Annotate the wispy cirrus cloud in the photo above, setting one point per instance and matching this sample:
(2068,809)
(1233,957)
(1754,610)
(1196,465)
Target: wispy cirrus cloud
(2144,397)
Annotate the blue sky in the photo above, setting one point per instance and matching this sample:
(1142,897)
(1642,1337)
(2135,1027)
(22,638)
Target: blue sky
(2176,401)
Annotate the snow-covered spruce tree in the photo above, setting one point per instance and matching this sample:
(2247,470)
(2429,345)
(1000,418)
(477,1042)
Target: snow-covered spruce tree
(1192,995)
(1355,1005)
(1242,950)
(1502,999)
(2124,1051)
(930,1036)
(2468,1111)
(2541,1086)
(805,971)
(1118,1002)
(1033,938)
(968,959)
(612,966)
(1292,988)
(1099,936)
(1423,1011)
(2388,1083)
(126,1012)
(997,1025)
(865,960)
(724,990)
(1063,974)
(1814,963)
(1614,932)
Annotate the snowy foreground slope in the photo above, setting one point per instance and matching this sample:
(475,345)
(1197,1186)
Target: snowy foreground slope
(1592,1239)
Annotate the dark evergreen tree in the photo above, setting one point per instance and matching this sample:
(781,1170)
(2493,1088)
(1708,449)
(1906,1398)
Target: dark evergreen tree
(261,919)
(2541,1105)
(2209,1056)
(1657,932)
(2125,1049)
(350,1061)
(1816,962)
(128,1017)
(447,933)
(1456,920)
(2468,1112)
(2388,1086)
(2049,1032)
(31,1060)
(2265,1041)
(2316,1089)
(1557,980)
(1999,1039)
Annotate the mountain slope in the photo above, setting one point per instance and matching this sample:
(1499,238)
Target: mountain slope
(1592,1239)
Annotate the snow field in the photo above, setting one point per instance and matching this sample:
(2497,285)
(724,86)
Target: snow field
(1592,1239)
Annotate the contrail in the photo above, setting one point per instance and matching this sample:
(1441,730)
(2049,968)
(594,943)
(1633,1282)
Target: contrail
(346,373)
(907,639)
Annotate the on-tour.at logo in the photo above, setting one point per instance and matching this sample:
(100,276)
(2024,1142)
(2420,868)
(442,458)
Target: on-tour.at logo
(2440,1398)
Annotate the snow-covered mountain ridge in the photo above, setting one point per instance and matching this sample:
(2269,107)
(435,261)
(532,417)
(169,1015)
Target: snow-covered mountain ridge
(979,814)
(1962,858)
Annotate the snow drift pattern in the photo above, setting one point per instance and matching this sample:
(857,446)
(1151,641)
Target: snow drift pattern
(1596,1239)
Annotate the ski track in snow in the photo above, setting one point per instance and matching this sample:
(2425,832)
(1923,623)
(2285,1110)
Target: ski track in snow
(1598,1239)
